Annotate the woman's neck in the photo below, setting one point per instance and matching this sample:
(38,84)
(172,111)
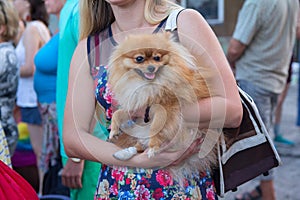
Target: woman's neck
(130,17)
(130,20)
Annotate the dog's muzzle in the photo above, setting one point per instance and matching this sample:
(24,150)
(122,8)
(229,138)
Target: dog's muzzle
(150,74)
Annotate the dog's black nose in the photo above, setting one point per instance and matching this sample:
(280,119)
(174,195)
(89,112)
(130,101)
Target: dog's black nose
(151,68)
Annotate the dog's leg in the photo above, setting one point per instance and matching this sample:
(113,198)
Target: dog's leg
(129,152)
(158,116)
(139,147)
(119,117)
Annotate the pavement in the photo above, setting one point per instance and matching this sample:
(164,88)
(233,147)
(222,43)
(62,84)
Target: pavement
(287,175)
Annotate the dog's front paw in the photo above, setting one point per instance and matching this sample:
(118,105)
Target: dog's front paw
(125,154)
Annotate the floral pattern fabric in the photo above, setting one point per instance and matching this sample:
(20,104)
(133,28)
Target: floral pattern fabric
(103,93)
(143,184)
(50,143)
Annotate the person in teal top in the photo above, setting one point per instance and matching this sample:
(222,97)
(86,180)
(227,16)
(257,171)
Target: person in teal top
(68,38)
(79,175)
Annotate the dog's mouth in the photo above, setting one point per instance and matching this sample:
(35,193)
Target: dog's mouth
(150,74)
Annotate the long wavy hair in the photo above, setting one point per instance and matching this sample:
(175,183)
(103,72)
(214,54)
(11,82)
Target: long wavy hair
(96,15)
(38,11)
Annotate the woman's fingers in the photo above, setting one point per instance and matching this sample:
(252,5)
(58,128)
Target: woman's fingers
(194,148)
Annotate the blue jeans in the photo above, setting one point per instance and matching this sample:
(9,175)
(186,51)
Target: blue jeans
(266,102)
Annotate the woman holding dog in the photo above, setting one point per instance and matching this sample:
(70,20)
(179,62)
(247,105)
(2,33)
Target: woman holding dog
(104,24)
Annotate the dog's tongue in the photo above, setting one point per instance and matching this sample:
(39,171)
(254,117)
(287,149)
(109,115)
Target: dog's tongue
(149,75)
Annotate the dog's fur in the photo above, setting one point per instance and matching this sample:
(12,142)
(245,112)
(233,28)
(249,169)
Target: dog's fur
(157,72)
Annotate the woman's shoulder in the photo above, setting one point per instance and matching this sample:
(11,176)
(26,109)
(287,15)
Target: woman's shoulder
(38,27)
(37,24)
(102,35)
(185,20)
(191,26)
(82,43)
(81,48)
(31,28)
(188,17)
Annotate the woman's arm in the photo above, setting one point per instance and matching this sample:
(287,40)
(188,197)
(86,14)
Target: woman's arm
(79,112)
(235,51)
(224,108)
(32,43)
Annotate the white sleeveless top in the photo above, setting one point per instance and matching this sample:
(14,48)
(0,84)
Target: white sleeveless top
(26,96)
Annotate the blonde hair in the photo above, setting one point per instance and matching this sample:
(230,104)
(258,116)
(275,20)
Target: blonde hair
(96,15)
(157,10)
(8,18)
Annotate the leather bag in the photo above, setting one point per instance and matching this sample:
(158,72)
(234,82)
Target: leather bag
(247,151)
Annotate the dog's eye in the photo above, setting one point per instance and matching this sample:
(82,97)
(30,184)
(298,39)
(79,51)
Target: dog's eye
(139,59)
(156,58)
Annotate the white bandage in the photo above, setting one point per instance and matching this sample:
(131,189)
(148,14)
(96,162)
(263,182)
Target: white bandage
(125,154)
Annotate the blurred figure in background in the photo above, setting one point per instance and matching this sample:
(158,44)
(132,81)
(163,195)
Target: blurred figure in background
(278,135)
(35,35)
(45,61)
(8,72)
(24,160)
(259,52)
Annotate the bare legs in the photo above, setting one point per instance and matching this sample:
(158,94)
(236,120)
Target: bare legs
(267,189)
(278,136)
(36,139)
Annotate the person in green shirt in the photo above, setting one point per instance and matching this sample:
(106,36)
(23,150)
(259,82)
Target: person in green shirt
(79,175)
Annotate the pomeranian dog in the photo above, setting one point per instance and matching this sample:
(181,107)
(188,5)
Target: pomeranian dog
(157,74)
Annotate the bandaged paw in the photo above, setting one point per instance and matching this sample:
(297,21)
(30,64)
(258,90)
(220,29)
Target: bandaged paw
(125,154)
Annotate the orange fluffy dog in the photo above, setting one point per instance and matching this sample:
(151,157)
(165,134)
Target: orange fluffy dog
(155,72)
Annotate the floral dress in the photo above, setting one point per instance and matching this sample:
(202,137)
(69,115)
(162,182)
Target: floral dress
(131,183)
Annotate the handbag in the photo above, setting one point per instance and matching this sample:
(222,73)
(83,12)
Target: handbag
(244,152)
(52,183)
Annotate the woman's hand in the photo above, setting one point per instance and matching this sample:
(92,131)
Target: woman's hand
(72,173)
(194,148)
(166,156)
